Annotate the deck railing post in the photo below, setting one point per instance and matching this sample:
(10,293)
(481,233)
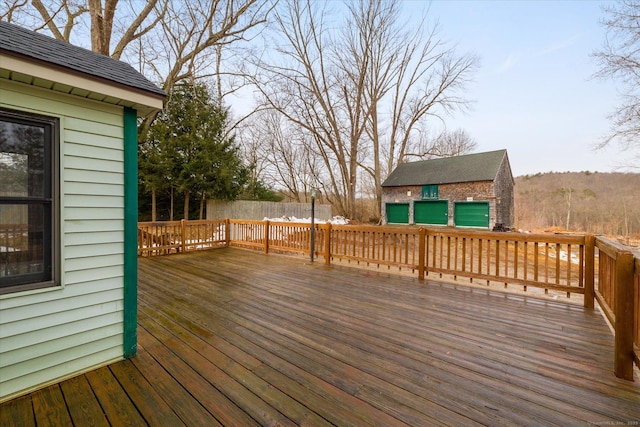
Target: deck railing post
(227,232)
(589,270)
(623,365)
(327,243)
(183,234)
(266,237)
(421,252)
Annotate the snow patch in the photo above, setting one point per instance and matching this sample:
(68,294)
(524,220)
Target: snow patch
(338,220)
(564,256)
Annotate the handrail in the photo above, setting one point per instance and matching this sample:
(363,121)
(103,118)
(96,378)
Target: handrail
(389,246)
(167,237)
(618,294)
(550,262)
(560,262)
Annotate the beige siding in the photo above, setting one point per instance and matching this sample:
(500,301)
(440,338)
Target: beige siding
(49,334)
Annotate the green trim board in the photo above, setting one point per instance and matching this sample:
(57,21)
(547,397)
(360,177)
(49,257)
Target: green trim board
(471,214)
(397,213)
(432,212)
(130,122)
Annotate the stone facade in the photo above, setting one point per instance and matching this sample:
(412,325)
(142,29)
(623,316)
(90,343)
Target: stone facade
(498,193)
(504,188)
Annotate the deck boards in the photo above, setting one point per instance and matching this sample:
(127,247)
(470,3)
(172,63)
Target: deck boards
(234,337)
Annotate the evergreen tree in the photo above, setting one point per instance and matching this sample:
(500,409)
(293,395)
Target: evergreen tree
(188,149)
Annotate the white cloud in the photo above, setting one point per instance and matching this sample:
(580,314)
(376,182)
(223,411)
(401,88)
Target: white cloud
(509,63)
(563,44)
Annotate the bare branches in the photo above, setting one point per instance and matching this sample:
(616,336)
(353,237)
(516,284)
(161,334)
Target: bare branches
(191,29)
(361,89)
(619,59)
(136,29)
(49,22)
(446,144)
(9,8)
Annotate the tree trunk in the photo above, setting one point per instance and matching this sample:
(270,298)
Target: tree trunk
(187,193)
(171,208)
(567,196)
(153,204)
(202,199)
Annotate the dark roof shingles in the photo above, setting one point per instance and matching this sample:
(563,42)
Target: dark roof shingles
(449,170)
(23,42)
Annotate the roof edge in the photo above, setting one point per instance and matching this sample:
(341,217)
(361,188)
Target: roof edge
(44,70)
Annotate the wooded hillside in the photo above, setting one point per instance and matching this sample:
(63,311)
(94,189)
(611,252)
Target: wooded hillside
(593,202)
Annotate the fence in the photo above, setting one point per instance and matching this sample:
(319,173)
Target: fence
(558,262)
(258,210)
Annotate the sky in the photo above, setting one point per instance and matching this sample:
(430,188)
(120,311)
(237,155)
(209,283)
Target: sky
(534,93)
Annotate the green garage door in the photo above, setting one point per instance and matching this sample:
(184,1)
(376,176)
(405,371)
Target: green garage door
(432,212)
(398,213)
(471,214)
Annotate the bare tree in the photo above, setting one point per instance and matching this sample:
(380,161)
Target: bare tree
(567,195)
(283,156)
(112,24)
(446,144)
(304,89)
(177,40)
(9,8)
(411,72)
(360,88)
(619,59)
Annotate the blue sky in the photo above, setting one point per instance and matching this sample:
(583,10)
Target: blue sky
(533,93)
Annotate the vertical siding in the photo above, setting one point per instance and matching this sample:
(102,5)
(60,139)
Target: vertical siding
(52,333)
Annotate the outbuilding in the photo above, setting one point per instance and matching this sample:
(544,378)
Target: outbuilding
(68,208)
(473,190)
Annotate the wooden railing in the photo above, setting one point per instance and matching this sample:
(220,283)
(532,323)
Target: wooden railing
(162,238)
(618,293)
(389,246)
(557,262)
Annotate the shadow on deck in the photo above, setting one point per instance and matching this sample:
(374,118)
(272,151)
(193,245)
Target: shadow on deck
(234,337)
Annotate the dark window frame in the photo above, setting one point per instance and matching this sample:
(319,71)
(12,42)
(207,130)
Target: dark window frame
(50,276)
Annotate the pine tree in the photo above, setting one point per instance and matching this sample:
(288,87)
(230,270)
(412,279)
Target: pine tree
(188,149)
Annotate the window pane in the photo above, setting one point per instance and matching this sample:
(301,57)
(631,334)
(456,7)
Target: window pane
(430,191)
(24,253)
(26,199)
(22,160)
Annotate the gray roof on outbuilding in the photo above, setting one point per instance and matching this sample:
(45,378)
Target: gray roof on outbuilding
(20,42)
(448,170)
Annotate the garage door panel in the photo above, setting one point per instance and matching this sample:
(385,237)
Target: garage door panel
(432,212)
(471,214)
(398,213)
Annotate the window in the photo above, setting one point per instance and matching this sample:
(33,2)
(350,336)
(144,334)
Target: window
(429,191)
(27,200)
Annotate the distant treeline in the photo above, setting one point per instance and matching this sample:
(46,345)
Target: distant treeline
(592,202)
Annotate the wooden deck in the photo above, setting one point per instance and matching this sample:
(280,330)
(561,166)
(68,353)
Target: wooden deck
(233,337)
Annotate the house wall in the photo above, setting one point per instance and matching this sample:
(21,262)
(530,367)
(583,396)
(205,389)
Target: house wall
(479,191)
(48,334)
